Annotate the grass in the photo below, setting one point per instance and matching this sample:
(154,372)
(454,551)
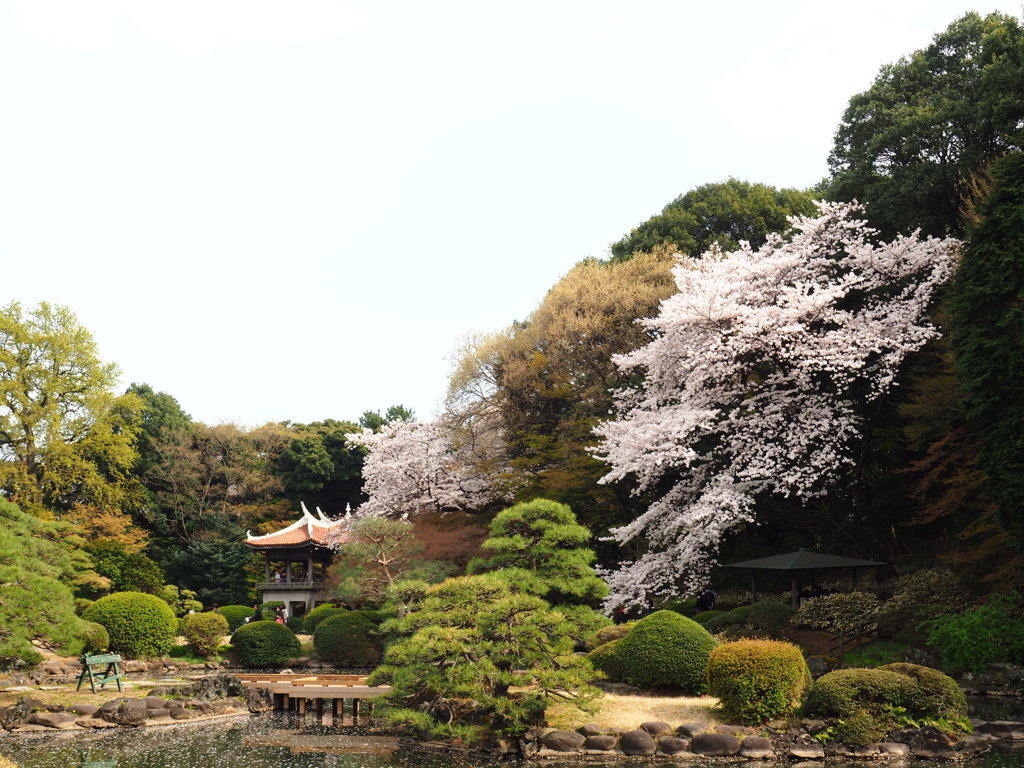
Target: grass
(630,711)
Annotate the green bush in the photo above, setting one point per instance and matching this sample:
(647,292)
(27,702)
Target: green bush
(139,625)
(679,605)
(757,680)
(235,615)
(348,638)
(604,659)
(705,616)
(932,586)
(869,703)
(770,616)
(849,612)
(204,632)
(318,614)
(723,622)
(295,623)
(264,644)
(666,650)
(375,617)
(742,611)
(904,622)
(989,633)
(614,632)
(95,638)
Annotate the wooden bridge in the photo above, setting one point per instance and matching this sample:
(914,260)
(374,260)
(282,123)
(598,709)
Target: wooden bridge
(299,692)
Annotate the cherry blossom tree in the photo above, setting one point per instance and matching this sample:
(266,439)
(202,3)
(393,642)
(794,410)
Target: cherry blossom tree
(419,467)
(752,381)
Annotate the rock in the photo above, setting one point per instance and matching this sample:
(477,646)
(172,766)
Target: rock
(125,711)
(818,665)
(134,666)
(154,666)
(18,712)
(656,728)
(162,712)
(808,751)
(673,745)
(286,672)
(1001,729)
(589,730)
(893,748)
(155,702)
(689,730)
(926,742)
(603,743)
(259,699)
(302,661)
(184,714)
(83,709)
(868,750)
(637,744)
(715,744)
(563,741)
(93,722)
(972,744)
(527,748)
(735,730)
(198,665)
(62,720)
(181,665)
(756,748)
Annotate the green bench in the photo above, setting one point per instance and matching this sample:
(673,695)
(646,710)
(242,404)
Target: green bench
(110,675)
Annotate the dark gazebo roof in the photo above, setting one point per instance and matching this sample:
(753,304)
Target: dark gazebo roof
(803,561)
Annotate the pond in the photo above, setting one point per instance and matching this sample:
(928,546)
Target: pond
(286,741)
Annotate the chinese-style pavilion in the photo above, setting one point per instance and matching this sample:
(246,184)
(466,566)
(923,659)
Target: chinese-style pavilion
(296,560)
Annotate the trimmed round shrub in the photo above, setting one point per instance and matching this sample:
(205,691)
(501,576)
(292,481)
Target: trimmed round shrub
(614,632)
(666,650)
(264,644)
(870,703)
(605,659)
(235,615)
(318,614)
(705,616)
(295,623)
(347,638)
(770,616)
(743,611)
(757,680)
(95,638)
(139,625)
(724,622)
(204,632)
(376,617)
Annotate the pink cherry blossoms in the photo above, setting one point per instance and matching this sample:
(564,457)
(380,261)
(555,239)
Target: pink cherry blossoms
(749,384)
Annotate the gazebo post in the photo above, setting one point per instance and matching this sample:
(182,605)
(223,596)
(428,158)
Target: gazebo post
(853,571)
(794,591)
(266,560)
(753,586)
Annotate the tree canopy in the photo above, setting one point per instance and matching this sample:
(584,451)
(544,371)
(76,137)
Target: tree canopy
(914,147)
(725,212)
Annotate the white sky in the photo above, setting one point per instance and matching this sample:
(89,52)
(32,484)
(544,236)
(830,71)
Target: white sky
(291,210)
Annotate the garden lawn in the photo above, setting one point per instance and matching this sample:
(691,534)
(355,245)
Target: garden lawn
(630,711)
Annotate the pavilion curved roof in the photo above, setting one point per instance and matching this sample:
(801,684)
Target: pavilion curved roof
(802,560)
(308,530)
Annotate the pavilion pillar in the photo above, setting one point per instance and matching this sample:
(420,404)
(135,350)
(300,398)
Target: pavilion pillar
(753,586)
(794,592)
(853,571)
(309,568)
(288,567)
(266,560)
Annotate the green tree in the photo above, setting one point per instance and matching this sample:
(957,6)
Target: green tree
(914,145)
(373,420)
(65,438)
(725,213)
(38,561)
(470,641)
(987,324)
(321,468)
(539,546)
(127,571)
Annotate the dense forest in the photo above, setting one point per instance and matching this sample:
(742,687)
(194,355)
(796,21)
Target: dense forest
(914,454)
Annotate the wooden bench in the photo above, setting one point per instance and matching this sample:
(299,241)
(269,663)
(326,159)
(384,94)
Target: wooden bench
(111,674)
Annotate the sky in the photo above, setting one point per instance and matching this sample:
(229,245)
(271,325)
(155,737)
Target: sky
(294,210)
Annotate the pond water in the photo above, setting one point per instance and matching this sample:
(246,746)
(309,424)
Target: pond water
(287,741)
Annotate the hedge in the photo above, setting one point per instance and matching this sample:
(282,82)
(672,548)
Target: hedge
(318,614)
(204,632)
(139,625)
(264,644)
(666,650)
(757,680)
(235,615)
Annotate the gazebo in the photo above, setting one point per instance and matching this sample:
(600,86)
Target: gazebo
(800,564)
(301,546)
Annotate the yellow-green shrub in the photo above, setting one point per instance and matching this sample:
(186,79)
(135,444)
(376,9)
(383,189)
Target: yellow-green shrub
(603,658)
(139,625)
(204,632)
(757,680)
(665,650)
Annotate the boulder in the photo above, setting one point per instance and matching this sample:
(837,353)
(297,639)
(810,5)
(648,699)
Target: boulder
(18,712)
(689,730)
(135,666)
(62,720)
(93,722)
(162,712)
(125,711)
(589,730)
(893,748)
(924,742)
(1001,729)
(155,702)
(673,745)
(656,728)
(811,750)
(637,744)
(715,744)
(756,748)
(184,714)
(735,730)
(868,750)
(563,741)
(259,699)
(83,709)
(603,743)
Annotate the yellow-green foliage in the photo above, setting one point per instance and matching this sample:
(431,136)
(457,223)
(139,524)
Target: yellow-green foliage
(95,638)
(603,658)
(264,644)
(757,680)
(348,638)
(665,650)
(204,632)
(870,703)
(139,625)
